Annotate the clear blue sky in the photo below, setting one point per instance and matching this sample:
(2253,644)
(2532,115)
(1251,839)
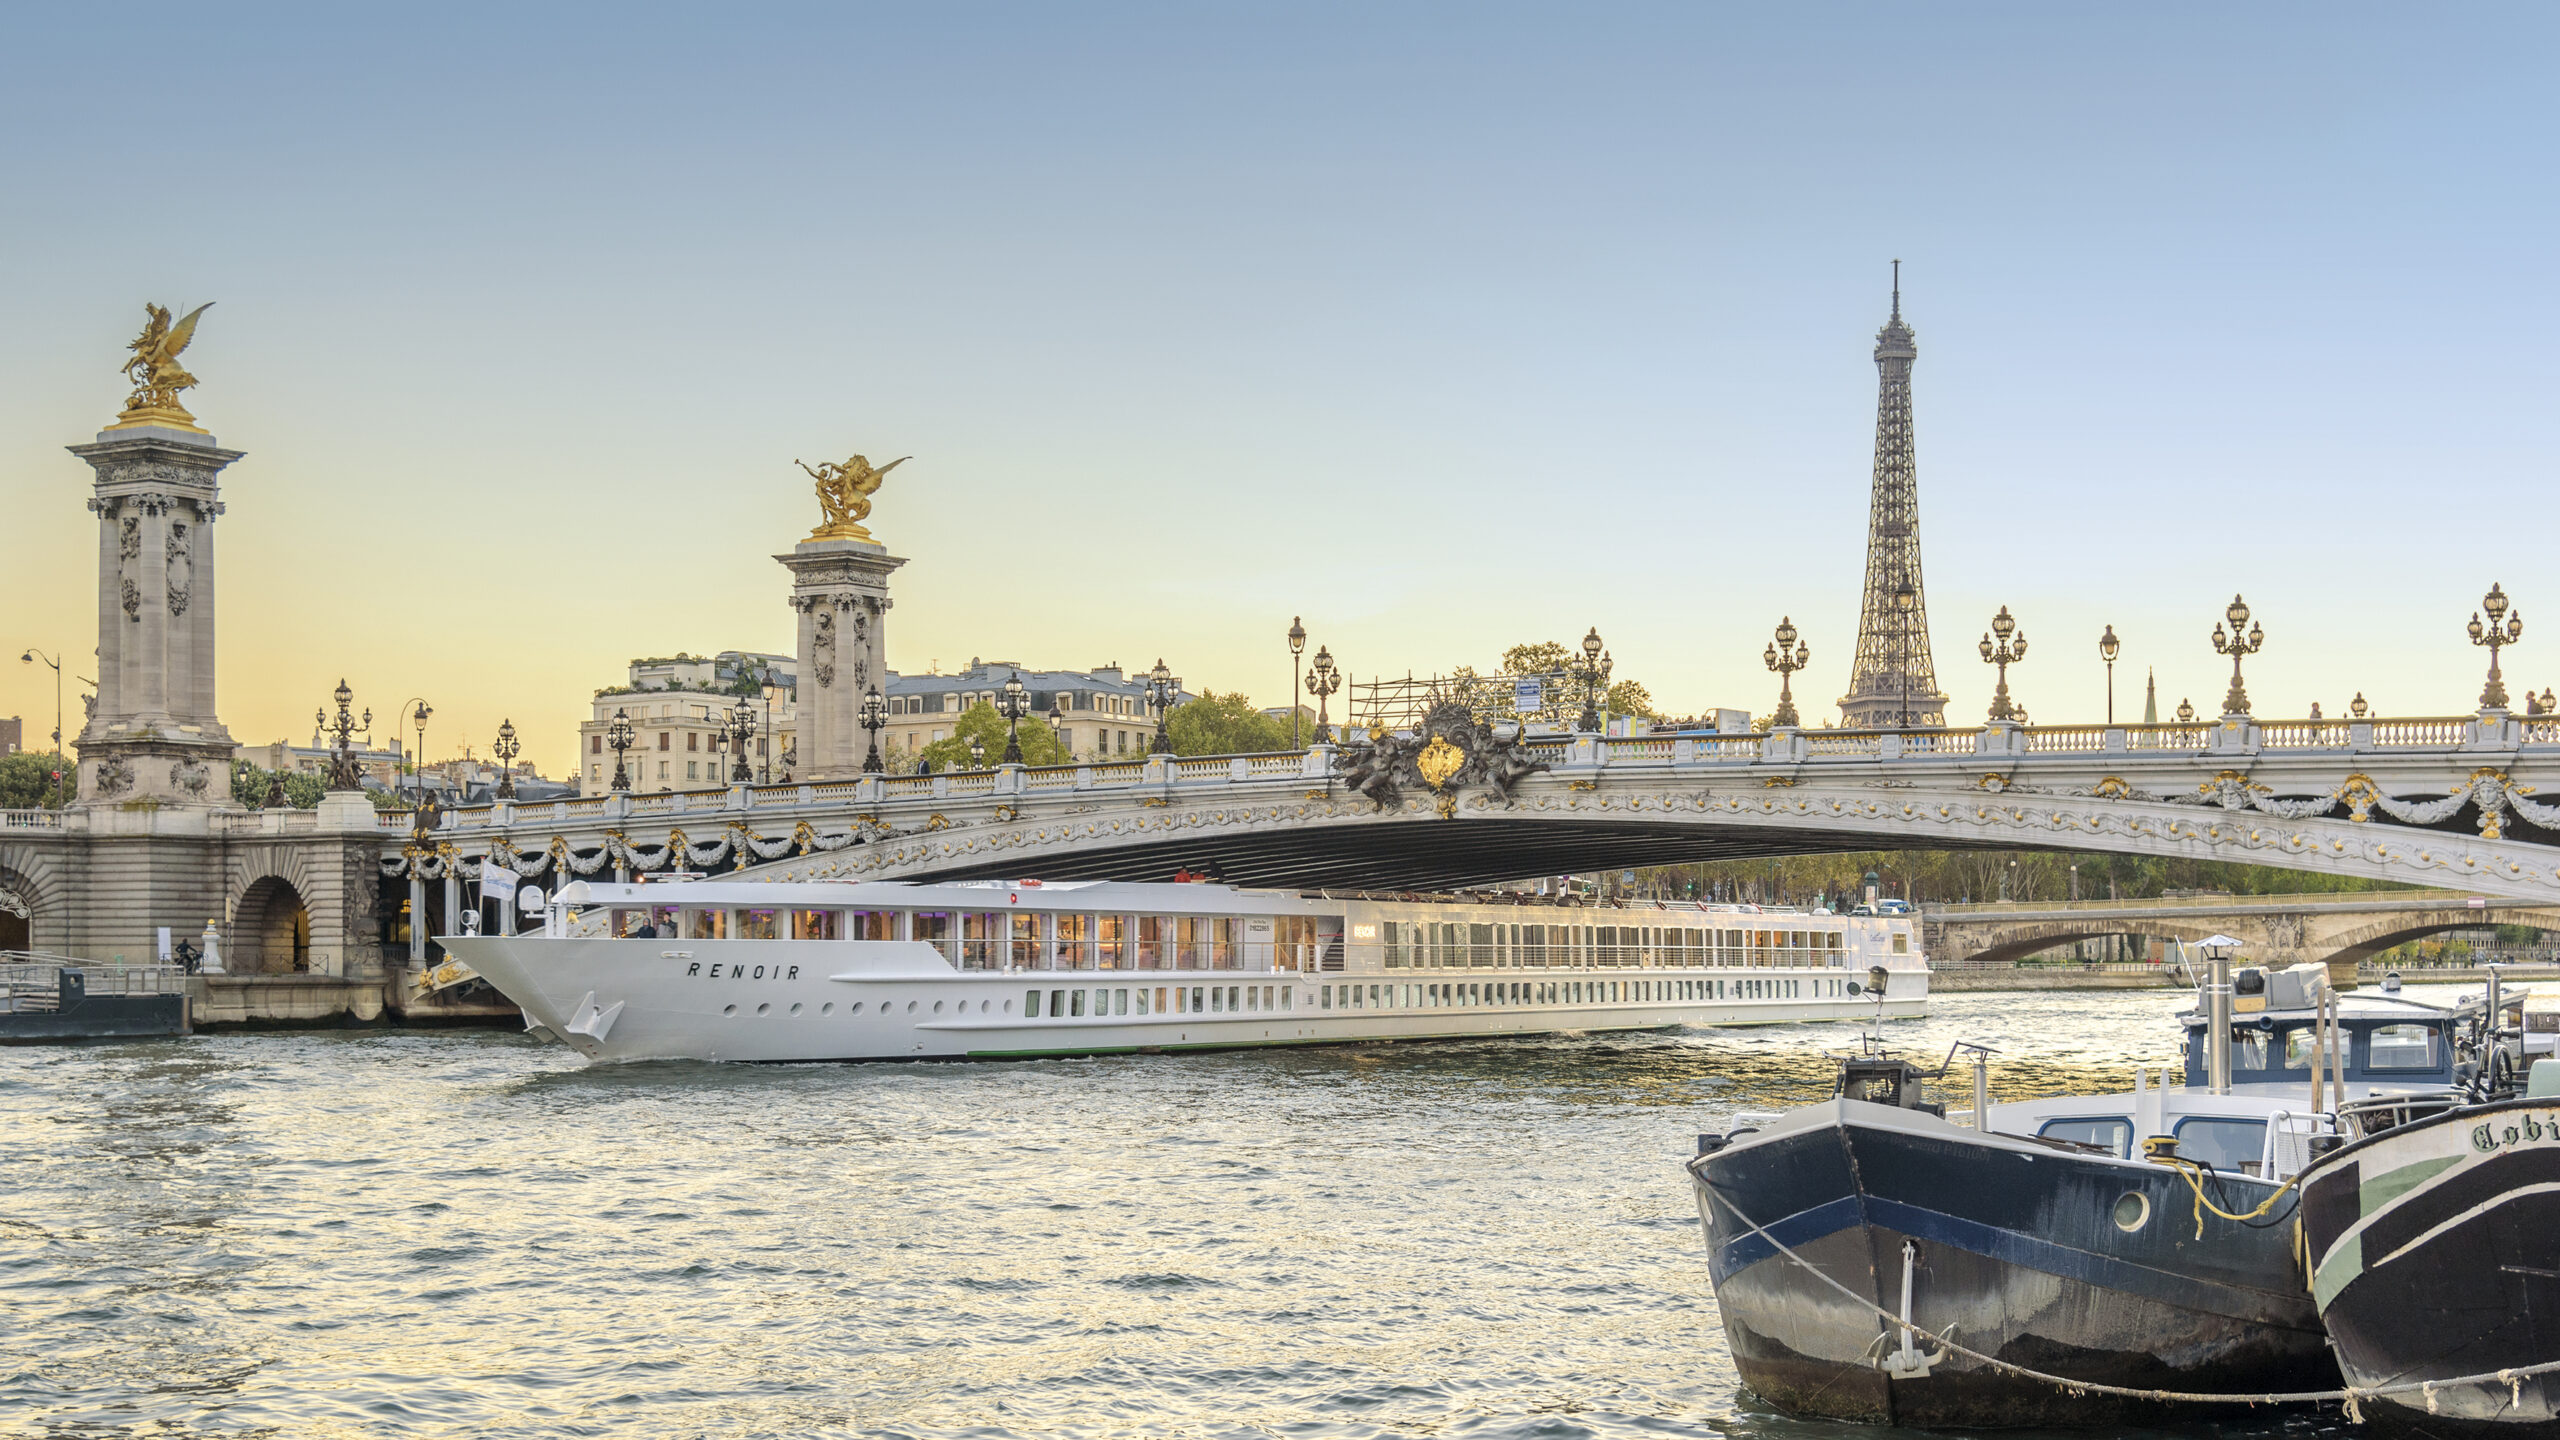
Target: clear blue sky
(1441,326)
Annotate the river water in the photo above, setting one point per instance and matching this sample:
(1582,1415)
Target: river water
(399,1233)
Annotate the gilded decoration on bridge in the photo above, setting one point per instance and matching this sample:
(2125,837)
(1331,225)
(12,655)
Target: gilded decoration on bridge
(844,495)
(156,375)
(1449,751)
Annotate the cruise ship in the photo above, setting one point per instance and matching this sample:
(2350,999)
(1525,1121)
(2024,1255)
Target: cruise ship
(742,970)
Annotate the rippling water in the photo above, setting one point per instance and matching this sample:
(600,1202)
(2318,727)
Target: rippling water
(447,1234)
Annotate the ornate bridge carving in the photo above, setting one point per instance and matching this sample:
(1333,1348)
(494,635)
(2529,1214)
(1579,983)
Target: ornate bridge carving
(2445,802)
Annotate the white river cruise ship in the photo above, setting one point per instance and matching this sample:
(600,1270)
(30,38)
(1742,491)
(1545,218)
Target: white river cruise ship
(712,970)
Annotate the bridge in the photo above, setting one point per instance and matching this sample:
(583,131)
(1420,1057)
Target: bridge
(2340,929)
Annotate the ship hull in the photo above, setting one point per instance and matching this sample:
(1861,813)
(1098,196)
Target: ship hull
(2014,1246)
(2437,1254)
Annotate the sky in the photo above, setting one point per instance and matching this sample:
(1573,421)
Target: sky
(1442,326)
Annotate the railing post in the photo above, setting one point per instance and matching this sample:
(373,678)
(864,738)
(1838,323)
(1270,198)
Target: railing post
(2359,735)
(871,789)
(1319,763)
(2114,743)
(1889,747)
(1683,750)
(1008,780)
(1084,777)
(941,784)
(1157,769)
(1236,769)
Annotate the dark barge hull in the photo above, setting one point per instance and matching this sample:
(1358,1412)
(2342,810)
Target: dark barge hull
(2437,1254)
(2018,1251)
(73,1013)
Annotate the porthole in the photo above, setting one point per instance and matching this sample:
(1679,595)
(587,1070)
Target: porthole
(1008,1007)
(937,1007)
(765,1009)
(911,1007)
(795,1007)
(827,1009)
(2133,1211)
(728,1009)
(854,1009)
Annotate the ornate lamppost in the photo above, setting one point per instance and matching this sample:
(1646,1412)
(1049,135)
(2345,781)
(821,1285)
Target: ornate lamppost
(2011,649)
(506,750)
(343,774)
(1297,647)
(618,738)
(977,753)
(1058,722)
(2108,646)
(2236,646)
(2357,709)
(2502,630)
(1593,676)
(1013,702)
(54,660)
(1322,681)
(875,714)
(418,718)
(1786,656)
(742,728)
(1162,686)
(2187,712)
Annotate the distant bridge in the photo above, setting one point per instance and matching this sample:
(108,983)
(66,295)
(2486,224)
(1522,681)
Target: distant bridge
(2340,928)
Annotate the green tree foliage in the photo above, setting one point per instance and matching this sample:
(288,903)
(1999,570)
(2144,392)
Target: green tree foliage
(951,752)
(1957,876)
(27,783)
(1563,698)
(1626,697)
(1216,724)
(302,790)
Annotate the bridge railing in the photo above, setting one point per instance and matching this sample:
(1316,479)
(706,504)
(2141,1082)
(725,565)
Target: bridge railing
(2320,899)
(30,819)
(1674,752)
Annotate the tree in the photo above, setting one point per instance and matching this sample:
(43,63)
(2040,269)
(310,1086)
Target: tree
(1216,724)
(951,752)
(27,783)
(1561,700)
(249,784)
(1629,698)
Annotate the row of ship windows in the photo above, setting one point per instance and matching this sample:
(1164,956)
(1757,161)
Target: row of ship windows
(1076,1004)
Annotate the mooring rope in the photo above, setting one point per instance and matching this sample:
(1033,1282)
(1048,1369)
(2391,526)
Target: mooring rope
(2513,1378)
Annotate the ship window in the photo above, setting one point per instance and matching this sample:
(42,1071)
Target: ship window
(2248,1048)
(813,924)
(1111,942)
(1154,941)
(765,1008)
(1217,999)
(1026,939)
(1902,944)
(1057,1004)
(2113,1133)
(2401,1047)
(1119,1002)
(1288,996)
(1075,1002)
(2298,1043)
(856,1008)
(2224,1144)
(1072,945)
(1195,999)
(759,924)
(932,927)
(827,1009)
(1142,1002)
(728,1009)
(706,924)
(871,925)
(1031,1002)
(982,943)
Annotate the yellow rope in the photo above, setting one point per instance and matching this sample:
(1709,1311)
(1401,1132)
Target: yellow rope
(2194,1172)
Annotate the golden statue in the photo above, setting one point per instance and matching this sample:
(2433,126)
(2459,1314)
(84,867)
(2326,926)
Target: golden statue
(844,493)
(156,375)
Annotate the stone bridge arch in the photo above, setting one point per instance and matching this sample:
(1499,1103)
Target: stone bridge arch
(299,906)
(30,901)
(1987,944)
(2351,940)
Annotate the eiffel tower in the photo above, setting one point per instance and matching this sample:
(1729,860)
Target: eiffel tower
(1893,686)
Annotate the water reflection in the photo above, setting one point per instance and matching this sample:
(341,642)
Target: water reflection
(437,1234)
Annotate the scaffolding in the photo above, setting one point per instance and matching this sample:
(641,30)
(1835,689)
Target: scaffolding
(1402,704)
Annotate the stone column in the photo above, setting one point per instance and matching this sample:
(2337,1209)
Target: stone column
(155,734)
(841,589)
(417,921)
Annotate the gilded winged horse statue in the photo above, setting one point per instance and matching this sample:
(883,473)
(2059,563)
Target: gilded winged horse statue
(844,493)
(156,375)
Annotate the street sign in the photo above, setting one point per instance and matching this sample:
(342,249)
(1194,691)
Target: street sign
(1528,696)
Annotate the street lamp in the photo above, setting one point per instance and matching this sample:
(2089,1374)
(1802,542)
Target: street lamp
(505,749)
(1786,661)
(1297,646)
(2502,630)
(418,761)
(2236,646)
(2108,646)
(742,728)
(2005,654)
(342,760)
(875,714)
(977,753)
(54,660)
(1322,681)
(1162,686)
(1906,603)
(2357,709)
(617,738)
(1058,723)
(2186,713)
(1593,676)
(1013,702)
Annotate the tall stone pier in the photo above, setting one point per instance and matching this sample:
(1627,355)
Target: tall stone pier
(840,588)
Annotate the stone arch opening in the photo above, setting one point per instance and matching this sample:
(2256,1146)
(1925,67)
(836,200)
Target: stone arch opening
(17,920)
(270,931)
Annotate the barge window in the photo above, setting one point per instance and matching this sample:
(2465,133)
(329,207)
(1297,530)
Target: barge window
(1026,939)
(1901,943)
(1191,942)
(1391,955)
(1071,947)
(2109,1131)
(934,928)
(2298,1041)
(1195,999)
(1120,1002)
(1155,934)
(815,925)
(2248,1048)
(1111,942)
(981,941)
(706,924)
(1057,1004)
(759,924)
(1030,1002)
(2400,1047)
(2224,1144)
(871,925)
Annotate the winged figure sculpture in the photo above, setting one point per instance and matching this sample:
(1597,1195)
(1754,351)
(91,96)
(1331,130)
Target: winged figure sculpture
(844,494)
(154,369)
